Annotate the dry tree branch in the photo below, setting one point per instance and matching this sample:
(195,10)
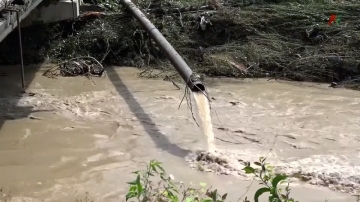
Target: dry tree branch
(180,19)
(187,96)
(78,67)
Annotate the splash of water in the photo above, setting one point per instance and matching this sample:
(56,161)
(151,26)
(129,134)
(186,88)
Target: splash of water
(203,106)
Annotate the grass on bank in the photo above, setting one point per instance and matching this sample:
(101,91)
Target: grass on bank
(278,38)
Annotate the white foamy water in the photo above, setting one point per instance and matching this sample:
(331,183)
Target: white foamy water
(309,132)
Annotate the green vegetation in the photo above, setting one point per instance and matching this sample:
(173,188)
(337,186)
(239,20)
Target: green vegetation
(288,39)
(154,184)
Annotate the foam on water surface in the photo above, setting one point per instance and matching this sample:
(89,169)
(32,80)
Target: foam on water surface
(323,170)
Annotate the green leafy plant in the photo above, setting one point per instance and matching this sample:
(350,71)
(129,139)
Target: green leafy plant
(154,184)
(271,181)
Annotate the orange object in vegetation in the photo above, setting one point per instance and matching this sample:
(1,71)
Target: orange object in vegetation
(332,19)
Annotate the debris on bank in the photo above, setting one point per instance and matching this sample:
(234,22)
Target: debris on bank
(283,40)
(80,66)
(218,163)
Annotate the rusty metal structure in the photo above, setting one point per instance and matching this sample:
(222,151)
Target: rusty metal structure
(20,46)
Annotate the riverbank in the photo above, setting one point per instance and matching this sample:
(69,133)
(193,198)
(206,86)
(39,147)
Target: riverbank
(289,40)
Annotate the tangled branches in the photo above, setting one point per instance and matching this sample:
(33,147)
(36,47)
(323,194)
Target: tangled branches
(80,66)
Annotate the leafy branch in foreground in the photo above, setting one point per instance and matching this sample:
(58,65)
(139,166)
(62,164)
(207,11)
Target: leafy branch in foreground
(154,184)
(163,188)
(265,173)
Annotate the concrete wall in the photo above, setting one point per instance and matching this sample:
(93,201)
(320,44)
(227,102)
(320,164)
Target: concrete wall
(9,23)
(52,12)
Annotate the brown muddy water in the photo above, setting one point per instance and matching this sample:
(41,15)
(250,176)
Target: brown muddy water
(68,136)
(202,101)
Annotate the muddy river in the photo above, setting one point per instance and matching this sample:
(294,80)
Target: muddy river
(70,136)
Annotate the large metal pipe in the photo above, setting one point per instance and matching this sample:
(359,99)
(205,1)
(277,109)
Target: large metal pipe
(20,46)
(191,80)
